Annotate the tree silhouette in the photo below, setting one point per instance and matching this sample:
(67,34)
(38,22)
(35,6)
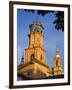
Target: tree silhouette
(59,20)
(59,17)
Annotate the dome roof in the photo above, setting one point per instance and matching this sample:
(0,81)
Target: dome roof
(58,56)
(39,23)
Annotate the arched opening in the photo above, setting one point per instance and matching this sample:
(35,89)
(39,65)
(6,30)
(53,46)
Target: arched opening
(32,57)
(41,57)
(56,62)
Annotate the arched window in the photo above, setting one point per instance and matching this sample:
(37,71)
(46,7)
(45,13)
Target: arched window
(56,62)
(32,57)
(41,57)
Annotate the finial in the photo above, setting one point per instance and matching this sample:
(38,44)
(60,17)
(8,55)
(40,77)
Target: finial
(57,51)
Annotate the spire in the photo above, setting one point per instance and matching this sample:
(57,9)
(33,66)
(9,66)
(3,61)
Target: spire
(57,63)
(22,59)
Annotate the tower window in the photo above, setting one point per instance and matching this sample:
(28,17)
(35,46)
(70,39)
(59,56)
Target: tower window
(56,62)
(32,57)
(41,57)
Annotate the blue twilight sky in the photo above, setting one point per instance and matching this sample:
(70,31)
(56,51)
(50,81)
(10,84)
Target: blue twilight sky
(52,37)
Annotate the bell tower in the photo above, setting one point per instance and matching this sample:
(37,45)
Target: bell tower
(36,49)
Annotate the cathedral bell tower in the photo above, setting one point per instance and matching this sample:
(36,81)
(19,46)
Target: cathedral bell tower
(36,49)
